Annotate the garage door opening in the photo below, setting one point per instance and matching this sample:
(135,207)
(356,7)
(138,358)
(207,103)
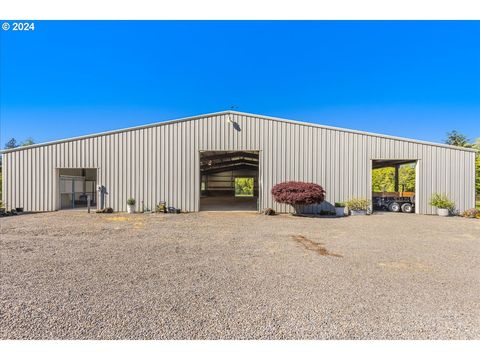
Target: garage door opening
(394,185)
(76,186)
(229,180)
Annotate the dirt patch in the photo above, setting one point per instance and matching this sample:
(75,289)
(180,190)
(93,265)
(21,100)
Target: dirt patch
(314,246)
(117,218)
(138,221)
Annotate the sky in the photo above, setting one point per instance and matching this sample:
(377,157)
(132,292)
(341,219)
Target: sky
(410,79)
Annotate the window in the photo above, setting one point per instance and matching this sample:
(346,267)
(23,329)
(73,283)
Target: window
(243,186)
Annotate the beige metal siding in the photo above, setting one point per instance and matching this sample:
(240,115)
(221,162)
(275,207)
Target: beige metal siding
(161,162)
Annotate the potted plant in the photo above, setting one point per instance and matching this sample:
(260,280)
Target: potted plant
(340,208)
(298,194)
(358,206)
(443,204)
(161,207)
(471,213)
(131,205)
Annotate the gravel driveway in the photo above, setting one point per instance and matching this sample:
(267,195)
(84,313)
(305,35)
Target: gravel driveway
(73,275)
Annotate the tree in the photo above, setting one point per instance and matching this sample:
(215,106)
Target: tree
(297,193)
(456,139)
(383,179)
(476,146)
(12,143)
(28,141)
(477,178)
(406,177)
(244,187)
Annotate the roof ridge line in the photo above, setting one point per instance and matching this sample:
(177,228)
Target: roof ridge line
(359,132)
(194,117)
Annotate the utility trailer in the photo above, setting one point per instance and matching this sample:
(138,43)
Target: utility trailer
(394,201)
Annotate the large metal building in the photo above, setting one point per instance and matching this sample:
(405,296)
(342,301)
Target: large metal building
(199,163)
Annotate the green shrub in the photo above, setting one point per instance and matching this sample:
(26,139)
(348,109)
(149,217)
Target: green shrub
(340,204)
(358,204)
(442,201)
(131,201)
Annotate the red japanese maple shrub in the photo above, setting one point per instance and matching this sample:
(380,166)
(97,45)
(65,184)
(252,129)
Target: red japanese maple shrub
(298,193)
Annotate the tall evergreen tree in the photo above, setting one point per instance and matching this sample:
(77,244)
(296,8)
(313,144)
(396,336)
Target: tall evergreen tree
(456,139)
(12,143)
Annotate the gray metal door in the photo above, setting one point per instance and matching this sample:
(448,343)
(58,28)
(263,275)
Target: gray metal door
(72,192)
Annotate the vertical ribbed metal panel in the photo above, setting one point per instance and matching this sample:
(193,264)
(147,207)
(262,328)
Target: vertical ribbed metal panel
(161,163)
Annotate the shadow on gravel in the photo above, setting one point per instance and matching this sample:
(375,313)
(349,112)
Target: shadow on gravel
(313,246)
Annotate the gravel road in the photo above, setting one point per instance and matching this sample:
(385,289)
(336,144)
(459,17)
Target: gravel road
(73,275)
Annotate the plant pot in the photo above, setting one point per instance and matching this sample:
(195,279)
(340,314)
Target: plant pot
(19,209)
(358,212)
(340,211)
(443,212)
(130,209)
(298,209)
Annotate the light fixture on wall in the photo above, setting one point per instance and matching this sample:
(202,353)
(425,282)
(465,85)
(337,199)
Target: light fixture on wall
(236,126)
(232,108)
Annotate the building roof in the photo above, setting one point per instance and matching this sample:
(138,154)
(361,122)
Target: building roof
(190,118)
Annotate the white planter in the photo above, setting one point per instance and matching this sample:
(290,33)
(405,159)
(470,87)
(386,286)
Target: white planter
(130,209)
(443,212)
(340,211)
(358,212)
(299,209)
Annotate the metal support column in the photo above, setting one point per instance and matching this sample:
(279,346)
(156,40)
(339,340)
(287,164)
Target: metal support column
(396,177)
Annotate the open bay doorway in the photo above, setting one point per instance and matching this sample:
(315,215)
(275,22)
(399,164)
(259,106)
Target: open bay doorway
(229,180)
(77,185)
(394,185)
